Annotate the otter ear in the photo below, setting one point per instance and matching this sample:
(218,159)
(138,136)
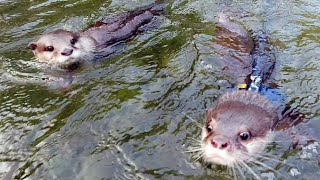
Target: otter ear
(32,46)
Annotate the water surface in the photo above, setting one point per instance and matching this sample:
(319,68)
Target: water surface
(124,118)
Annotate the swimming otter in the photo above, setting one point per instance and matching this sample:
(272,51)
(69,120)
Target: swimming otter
(238,128)
(241,124)
(64,47)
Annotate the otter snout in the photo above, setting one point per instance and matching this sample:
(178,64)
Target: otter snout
(221,142)
(67,52)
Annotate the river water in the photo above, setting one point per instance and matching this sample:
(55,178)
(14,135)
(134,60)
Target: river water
(124,118)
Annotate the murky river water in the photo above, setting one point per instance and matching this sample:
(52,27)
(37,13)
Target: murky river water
(124,118)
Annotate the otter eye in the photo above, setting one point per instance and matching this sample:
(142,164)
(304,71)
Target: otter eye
(73,41)
(209,128)
(49,48)
(245,136)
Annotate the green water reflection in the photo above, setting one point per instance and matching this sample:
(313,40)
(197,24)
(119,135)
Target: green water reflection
(124,117)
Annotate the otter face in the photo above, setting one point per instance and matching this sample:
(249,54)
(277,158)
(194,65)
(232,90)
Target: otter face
(237,130)
(62,47)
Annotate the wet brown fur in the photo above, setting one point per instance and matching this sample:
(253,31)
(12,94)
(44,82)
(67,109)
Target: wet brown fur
(97,38)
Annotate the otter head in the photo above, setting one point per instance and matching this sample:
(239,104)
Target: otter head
(62,47)
(238,128)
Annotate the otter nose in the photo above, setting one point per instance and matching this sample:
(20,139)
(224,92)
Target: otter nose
(220,142)
(67,52)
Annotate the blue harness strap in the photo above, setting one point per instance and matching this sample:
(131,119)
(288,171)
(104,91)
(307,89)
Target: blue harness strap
(263,64)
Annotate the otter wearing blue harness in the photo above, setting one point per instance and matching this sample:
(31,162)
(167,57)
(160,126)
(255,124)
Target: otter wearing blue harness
(240,126)
(262,67)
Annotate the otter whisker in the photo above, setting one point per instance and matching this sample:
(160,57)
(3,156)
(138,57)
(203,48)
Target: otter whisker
(200,156)
(197,154)
(51,61)
(271,159)
(271,141)
(250,169)
(266,166)
(228,170)
(197,140)
(195,144)
(240,170)
(255,161)
(193,150)
(197,124)
(234,174)
(205,160)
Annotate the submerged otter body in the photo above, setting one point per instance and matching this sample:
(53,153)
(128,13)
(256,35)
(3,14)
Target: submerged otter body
(65,47)
(240,126)
(245,121)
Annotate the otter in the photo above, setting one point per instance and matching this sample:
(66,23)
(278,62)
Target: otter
(65,48)
(246,120)
(240,126)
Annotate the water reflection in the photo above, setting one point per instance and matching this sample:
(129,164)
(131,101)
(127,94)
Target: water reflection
(123,118)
